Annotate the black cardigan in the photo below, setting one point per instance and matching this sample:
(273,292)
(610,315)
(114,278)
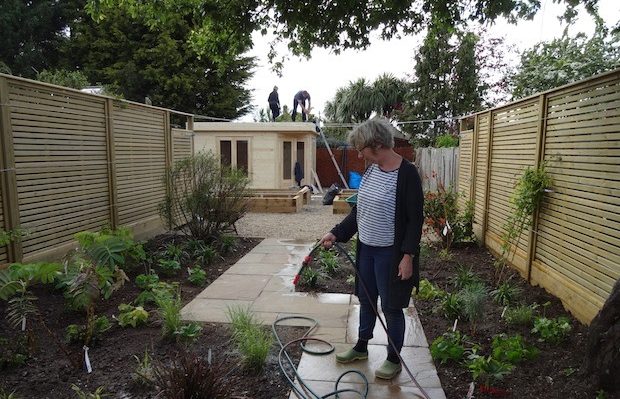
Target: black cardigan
(408,221)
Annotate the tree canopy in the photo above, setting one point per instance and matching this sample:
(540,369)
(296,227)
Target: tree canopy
(565,60)
(360,99)
(139,62)
(333,24)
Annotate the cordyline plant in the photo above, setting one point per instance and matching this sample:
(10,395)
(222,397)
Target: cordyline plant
(525,199)
(203,198)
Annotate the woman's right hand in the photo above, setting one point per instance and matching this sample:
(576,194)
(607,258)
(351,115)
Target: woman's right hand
(328,240)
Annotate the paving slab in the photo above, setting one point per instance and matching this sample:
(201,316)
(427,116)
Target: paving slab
(414,333)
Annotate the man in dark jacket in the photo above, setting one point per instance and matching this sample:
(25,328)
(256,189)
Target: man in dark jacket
(274,103)
(300,99)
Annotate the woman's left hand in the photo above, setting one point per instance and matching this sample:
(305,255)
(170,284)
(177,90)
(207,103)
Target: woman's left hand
(405,268)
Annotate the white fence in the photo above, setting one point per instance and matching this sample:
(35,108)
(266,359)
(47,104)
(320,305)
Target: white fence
(438,166)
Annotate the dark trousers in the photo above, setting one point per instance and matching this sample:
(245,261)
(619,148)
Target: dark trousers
(275,111)
(374,270)
(294,113)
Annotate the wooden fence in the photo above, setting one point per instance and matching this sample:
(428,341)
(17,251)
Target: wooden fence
(438,166)
(573,250)
(73,161)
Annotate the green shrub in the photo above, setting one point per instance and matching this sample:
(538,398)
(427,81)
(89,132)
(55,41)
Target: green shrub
(98,394)
(168,267)
(442,215)
(447,347)
(145,281)
(79,333)
(512,349)
(472,299)
(446,140)
(188,333)
(310,277)
(169,310)
(204,198)
(505,293)
(6,395)
(329,262)
(252,340)
(144,373)
(521,315)
(552,330)
(464,277)
(451,306)
(205,254)
(197,276)
(174,252)
(131,316)
(428,291)
(227,243)
(158,290)
(487,368)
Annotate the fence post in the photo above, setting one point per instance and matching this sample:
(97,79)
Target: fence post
(488,182)
(474,159)
(8,181)
(168,140)
(112,190)
(190,127)
(540,153)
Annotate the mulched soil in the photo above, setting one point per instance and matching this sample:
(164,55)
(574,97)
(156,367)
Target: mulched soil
(47,372)
(555,373)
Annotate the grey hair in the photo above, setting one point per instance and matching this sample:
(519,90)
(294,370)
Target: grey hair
(373,133)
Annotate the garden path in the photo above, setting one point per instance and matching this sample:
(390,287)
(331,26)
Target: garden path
(263,282)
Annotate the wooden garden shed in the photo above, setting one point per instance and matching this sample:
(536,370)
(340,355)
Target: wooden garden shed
(268,151)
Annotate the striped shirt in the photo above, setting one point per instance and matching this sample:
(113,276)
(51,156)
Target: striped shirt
(376,207)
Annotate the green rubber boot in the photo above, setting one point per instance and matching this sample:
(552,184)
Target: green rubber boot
(351,355)
(388,370)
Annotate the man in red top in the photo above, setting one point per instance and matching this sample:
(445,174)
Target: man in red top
(300,98)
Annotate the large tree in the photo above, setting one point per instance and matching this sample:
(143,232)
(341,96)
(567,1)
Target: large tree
(335,24)
(32,33)
(140,61)
(565,60)
(361,99)
(446,83)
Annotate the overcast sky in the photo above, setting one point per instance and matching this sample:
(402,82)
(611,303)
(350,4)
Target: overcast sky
(325,72)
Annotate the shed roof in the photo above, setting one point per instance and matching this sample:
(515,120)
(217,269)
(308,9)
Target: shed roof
(274,127)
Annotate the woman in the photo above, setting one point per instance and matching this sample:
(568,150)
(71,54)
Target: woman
(388,218)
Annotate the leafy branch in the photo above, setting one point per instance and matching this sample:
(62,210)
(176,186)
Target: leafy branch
(526,198)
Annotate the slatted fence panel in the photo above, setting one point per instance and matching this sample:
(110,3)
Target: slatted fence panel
(61,164)
(182,146)
(578,239)
(513,144)
(480,185)
(140,152)
(465,158)
(3,251)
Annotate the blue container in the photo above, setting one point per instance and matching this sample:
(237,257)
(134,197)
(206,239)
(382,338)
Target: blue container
(354,180)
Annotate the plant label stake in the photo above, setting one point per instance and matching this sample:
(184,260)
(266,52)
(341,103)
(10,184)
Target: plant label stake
(24,323)
(503,312)
(89,369)
(454,326)
(470,391)
(209,357)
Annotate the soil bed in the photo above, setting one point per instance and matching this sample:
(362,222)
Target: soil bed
(554,373)
(48,373)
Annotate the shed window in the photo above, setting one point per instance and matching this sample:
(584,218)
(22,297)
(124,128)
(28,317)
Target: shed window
(287,157)
(300,153)
(226,152)
(242,155)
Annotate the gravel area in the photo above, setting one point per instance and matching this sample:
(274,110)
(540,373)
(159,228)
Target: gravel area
(311,223)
